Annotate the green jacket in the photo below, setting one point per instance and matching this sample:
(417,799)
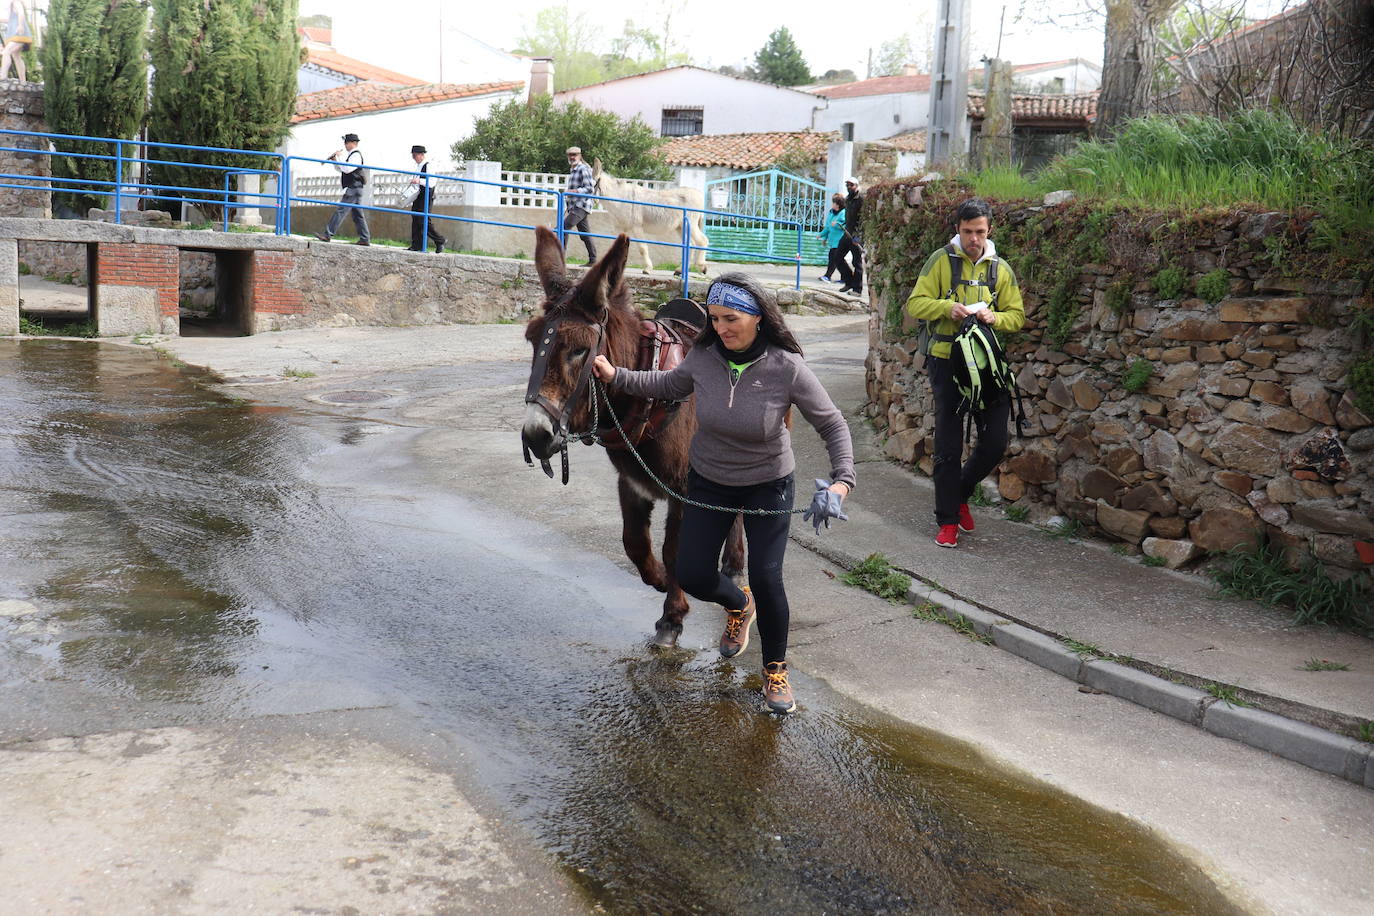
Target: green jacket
(930,300)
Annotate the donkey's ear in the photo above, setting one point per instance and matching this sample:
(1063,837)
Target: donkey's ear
(596,167)
(596,288)
(548,262)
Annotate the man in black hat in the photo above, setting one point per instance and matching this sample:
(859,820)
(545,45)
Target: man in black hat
(352,178)
(425,198)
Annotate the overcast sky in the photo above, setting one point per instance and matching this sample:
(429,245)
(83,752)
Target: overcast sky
(832,35)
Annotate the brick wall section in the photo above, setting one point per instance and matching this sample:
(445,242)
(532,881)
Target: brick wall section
(148,266)
(273,291)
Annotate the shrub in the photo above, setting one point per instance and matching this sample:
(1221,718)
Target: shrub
(1137,375)
(1362,384)
(1168,283)
(1119,296)
(1063,307)
(1215,285)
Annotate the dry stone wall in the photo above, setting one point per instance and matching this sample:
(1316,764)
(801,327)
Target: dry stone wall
(21,108)
(1246,426)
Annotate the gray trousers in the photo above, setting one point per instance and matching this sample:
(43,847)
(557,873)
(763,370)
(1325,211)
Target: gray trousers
(351,198)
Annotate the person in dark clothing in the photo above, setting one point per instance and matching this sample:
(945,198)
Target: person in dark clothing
(833,235)
(349,162)
(580,178)
(746,371)
(422,200)
(852,243)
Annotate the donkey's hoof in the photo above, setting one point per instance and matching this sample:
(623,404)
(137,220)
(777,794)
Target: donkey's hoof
(665,637)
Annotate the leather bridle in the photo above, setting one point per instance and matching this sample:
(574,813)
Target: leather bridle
(561,417)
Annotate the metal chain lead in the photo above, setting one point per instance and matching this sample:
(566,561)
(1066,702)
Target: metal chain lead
(599,389)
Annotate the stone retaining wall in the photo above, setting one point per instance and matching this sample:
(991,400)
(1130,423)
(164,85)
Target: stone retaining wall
(21,108)
(1246,426)
(264,282)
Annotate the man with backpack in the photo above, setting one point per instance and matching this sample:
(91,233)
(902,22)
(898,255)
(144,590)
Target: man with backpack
(352,176)
(964,293)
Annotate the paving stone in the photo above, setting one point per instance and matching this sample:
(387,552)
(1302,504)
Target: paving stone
(1148,690)
(1038,648)
(1298,741)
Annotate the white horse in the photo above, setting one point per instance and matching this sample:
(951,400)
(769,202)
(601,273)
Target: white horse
(654,223)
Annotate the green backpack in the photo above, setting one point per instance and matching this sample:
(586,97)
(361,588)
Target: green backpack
(982,375)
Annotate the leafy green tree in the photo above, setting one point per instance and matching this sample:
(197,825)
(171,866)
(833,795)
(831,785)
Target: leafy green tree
(97,85)
(579,58)
(780,61)
(225,75)
(893,55)
(535,138)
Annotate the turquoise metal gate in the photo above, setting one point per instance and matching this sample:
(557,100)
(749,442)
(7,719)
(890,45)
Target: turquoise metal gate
(770,194)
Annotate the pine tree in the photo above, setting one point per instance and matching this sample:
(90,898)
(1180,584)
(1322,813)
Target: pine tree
(96,86)
(225,75)
(780,61)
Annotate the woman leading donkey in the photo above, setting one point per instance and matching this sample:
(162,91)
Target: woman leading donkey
(746,371)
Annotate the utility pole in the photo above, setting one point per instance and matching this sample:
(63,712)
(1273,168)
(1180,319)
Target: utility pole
(949,85)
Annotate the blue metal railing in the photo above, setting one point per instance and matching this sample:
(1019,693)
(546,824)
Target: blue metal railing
(126,153)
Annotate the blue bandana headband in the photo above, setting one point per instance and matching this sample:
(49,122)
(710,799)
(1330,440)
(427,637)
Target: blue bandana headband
(732,296)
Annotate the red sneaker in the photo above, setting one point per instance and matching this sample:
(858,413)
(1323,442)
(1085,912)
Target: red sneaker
(948,536)
(965,518)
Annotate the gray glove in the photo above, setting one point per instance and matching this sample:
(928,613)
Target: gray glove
(825,505)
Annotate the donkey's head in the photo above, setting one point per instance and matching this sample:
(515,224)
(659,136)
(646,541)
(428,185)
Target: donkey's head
(578,321)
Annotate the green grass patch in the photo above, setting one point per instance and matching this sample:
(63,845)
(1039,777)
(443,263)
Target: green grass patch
(1152,561)
(1168,283)
(290,372)
(1065,529)
(1214,285)
(1137,375)
(1309,592)
(1017,513)
(1063,306)
(1086,649)
(875,574)
(1225,693)
(959,623)
(1322,664)
(34,327)
(980,497)
(1366,732)
(1003,182)
(24,269)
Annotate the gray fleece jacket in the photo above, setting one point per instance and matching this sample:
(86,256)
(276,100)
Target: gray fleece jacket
(741,438)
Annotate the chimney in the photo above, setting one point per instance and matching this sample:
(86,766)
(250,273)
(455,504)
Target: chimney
(910,70)
(541,78)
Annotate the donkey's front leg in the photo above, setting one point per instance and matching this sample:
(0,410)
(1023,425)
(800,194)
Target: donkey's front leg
(644,253)
(669,626)
(635,514)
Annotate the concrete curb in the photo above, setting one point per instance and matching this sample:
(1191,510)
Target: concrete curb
(1300,742)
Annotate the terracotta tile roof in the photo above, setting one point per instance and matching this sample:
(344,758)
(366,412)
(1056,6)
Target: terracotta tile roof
(1079,106)
(745,151)
(878,85)
(909,141)
(317,34)
(378,96)
(349,66)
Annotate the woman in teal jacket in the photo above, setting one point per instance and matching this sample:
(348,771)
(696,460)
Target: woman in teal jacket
(831,235)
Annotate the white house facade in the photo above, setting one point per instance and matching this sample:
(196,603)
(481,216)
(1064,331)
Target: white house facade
(389,119)
(686,101)
(877,108)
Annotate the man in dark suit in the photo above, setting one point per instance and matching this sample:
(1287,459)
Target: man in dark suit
(423,200)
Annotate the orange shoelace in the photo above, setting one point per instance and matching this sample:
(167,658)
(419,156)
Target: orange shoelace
(775,681)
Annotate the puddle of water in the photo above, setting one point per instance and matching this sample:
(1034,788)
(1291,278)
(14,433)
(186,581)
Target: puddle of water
(176,542)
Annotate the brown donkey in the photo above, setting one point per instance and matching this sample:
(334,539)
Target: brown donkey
(578,321)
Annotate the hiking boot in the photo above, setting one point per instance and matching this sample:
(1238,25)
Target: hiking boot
(736,636)
(948,536)
(965,518)
(321,236)
(777,693)
(361,242)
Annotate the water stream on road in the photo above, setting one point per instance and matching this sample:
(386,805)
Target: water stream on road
(170,555)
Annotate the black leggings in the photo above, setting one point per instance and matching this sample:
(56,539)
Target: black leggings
(703,535)
(954,484)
